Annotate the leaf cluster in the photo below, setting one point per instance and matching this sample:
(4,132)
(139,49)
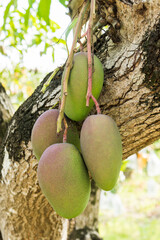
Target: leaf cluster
(28,26)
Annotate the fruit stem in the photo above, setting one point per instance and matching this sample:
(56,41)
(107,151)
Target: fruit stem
(65,131)
(68,68)
(96,104)
(90,57)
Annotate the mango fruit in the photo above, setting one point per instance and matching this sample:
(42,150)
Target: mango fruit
(64,179)
(75,106)
(44,132)
(101,149)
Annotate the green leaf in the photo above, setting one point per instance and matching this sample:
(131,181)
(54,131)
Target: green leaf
(46,47)
(54,26)
(26,17)
(53,54)
(58,40)
(15,4)
(124,165)
(49,79)
(37,40)
(70,27)
(6,13)
(31,2)
(44,10)
(63,2)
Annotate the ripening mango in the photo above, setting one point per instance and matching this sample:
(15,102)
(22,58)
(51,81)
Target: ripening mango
(64,179)
(44,132)
(101,149)
(75,106)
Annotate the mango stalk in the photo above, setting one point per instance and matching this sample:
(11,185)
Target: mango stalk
(68,68)
(90,58)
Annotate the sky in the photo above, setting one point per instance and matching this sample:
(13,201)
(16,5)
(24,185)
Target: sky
(32,58)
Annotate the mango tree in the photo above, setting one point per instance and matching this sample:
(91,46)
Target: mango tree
(127,41)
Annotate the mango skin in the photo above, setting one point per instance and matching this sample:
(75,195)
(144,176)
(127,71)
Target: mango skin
(44,133)
(64,179)
(102,149)
(75,106)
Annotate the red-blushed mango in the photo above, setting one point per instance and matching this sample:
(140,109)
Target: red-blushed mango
(64,179)
(44,132)
(75,106)
(101,149)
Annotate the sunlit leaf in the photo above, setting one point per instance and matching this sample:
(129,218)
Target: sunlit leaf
(53,54)
(124,165)
(62,41)
(6,13)
(54,26)
(58,40)
(20,96)
(26,17)
(63,2)
(20,22)
(31,2)
(37,40)
(15,4)
(49,79)
(70,27)
(44,10)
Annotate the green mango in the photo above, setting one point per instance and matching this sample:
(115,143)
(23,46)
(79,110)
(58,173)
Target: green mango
(101,149)
(75,106)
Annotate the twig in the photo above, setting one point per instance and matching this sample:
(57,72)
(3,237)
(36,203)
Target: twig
(65,130)
(96,104)
(89,50)
(68,67)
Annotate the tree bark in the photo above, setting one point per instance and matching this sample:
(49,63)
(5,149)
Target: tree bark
(6,111)
(130,53)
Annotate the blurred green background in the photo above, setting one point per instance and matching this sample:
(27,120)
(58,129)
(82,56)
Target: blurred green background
(132,209)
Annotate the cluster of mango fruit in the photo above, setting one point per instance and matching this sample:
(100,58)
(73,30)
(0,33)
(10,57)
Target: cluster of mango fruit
(64,168)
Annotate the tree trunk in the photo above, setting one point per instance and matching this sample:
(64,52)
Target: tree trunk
(6,111)
(130,53)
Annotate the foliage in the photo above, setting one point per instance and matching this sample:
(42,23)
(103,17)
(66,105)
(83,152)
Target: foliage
(28,26)
(19,83)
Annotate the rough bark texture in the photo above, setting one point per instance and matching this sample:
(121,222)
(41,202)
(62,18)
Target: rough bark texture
(131,95)
(6,111)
